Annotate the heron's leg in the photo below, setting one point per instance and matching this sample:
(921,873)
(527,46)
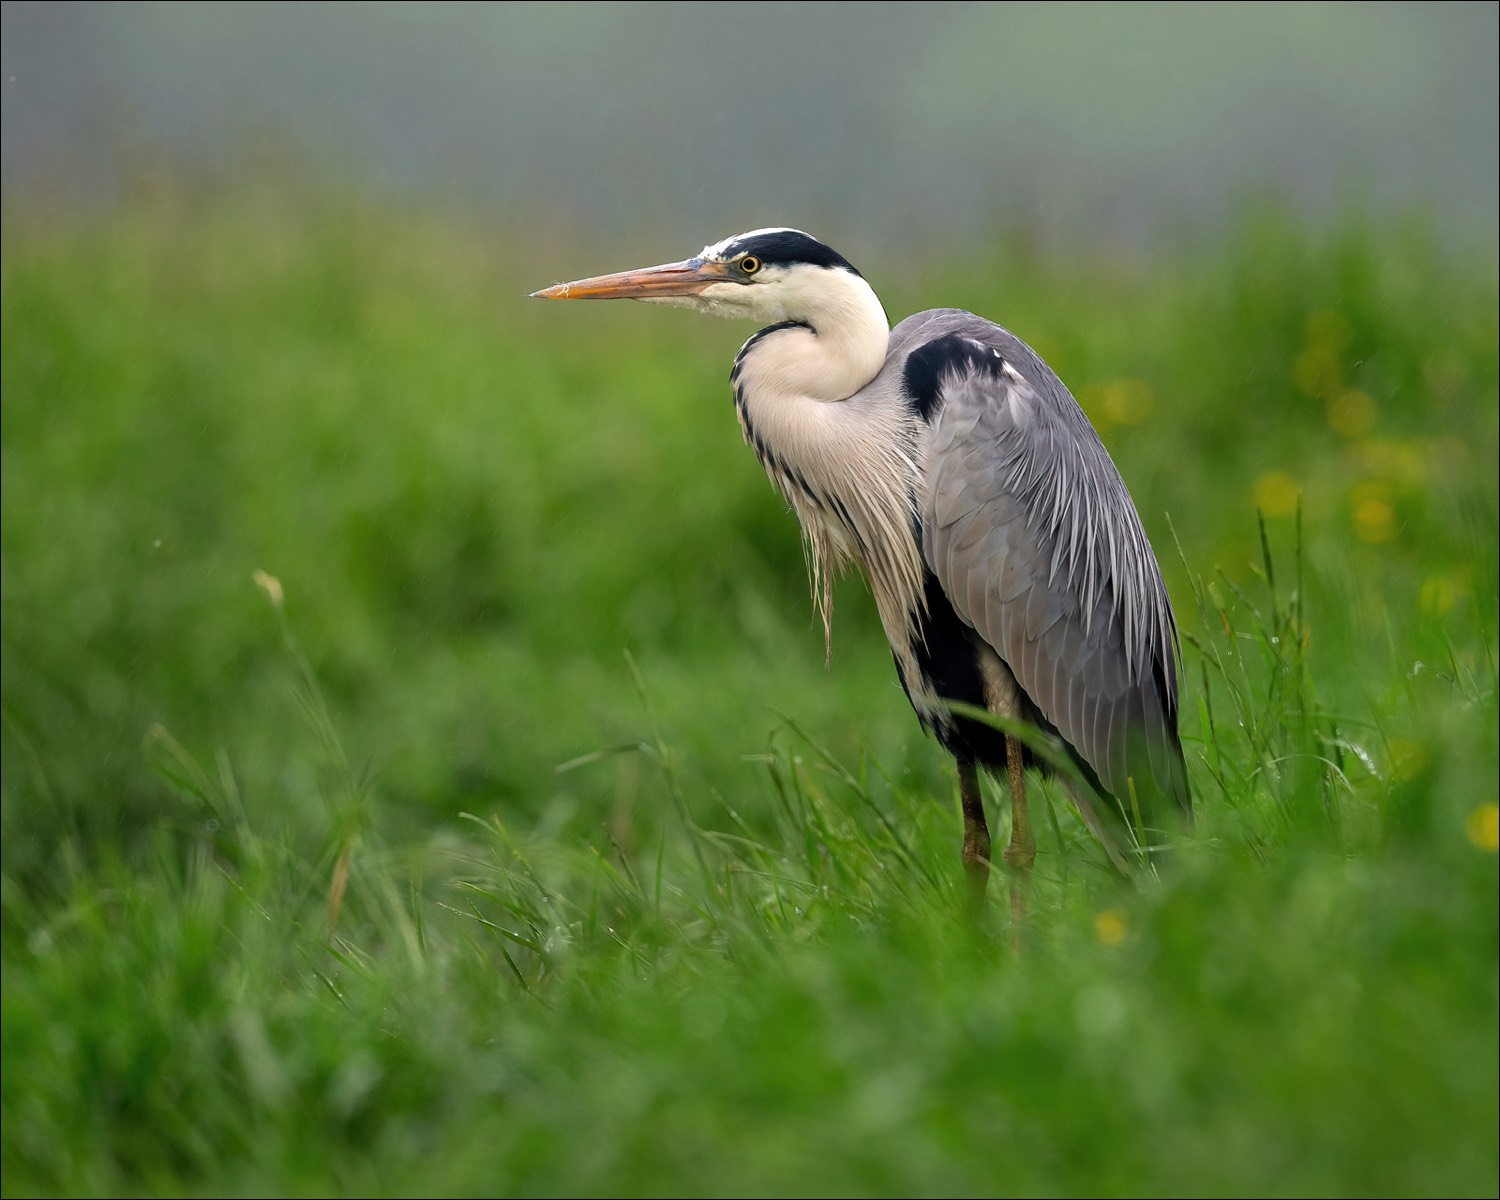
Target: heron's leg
(1020,853)
(976,832)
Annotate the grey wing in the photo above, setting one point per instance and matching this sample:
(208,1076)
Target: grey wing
(1029,529)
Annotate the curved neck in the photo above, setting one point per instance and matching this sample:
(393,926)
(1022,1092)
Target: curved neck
(841,452)
(826,349)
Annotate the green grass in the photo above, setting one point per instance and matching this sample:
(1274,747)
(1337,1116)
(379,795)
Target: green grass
(506,833)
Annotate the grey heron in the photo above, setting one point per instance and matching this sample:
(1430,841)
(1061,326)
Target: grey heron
(1007,561)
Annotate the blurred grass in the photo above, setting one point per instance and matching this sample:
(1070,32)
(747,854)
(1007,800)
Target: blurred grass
(297,900)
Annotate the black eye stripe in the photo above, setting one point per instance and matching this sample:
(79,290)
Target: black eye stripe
(785,248)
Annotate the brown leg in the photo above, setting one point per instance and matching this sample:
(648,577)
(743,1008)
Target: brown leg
(1021,851)
(976,832)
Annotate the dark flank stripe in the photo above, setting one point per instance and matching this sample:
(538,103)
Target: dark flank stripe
(947,652)
(947,655)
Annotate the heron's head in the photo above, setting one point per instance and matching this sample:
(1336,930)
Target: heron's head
(767,275)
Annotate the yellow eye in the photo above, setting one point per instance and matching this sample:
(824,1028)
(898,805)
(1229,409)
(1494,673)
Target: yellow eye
(749,264)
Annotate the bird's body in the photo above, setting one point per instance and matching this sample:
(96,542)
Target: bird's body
(1008,564)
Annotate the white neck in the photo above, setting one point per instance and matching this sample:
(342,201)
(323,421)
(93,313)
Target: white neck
(842,453)
(845,348)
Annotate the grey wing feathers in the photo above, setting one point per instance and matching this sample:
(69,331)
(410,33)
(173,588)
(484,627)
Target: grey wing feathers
(1030,531)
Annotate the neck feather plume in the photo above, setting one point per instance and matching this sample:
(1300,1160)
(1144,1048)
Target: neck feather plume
(843,454)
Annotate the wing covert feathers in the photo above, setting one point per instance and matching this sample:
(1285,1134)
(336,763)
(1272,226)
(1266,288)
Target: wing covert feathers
(1034,539)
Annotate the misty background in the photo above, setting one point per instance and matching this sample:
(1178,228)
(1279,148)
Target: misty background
(921,125)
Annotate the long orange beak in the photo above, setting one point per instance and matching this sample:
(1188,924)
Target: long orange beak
(670,279)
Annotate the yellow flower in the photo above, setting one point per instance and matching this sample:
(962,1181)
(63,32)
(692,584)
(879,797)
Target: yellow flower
(1483,827)
(1277,494)
(1110,927)
(1374,514)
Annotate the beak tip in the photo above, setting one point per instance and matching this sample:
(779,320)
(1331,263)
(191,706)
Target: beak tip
(671,279)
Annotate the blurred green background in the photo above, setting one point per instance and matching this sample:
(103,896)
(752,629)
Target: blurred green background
(420,772)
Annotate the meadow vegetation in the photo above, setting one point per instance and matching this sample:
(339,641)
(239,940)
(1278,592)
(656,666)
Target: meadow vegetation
(420,772)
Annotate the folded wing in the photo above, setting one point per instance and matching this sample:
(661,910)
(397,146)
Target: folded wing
(1030,531)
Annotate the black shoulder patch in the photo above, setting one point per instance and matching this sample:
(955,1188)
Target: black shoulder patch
(931,363)
(788,247)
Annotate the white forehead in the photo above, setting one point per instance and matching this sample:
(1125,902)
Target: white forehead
(721,249)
